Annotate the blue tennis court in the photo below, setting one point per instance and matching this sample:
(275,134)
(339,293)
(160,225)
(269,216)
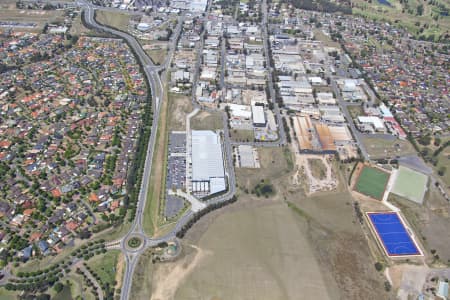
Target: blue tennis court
(392,233)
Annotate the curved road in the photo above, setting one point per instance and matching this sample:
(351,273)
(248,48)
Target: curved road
(156,86)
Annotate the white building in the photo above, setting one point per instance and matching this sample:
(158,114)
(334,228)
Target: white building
(375,122)
(208,173)
(259,118)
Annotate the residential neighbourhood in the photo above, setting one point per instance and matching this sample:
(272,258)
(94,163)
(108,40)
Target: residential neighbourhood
(69,124)
(154,149)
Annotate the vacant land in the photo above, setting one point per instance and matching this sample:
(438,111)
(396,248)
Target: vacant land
(77,27)
(207,121)
(157,56)
(242,135)
(156,187)
(318,169)
(40,17)
(105,266)
(7,295)
(443,161)
(274,261)
(286,246)
(179,106)
(274,164)
(430,222)
(379,148)
(143,277)
(372,182)
(327,41)
(113,19)
(405,13)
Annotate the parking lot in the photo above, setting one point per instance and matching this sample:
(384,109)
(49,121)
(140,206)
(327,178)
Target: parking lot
(176,162)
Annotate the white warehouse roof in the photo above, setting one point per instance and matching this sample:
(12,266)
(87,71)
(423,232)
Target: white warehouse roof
(207,159)
(258,114)
(375,121)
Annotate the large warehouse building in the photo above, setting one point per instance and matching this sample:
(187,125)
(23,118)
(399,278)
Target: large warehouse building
(208,174)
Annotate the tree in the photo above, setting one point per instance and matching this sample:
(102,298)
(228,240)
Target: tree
(442,171)
(378,266)
(420,10)
(58,287)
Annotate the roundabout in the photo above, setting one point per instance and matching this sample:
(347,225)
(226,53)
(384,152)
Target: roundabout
(134,243)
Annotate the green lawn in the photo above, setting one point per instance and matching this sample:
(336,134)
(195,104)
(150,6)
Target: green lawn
(372,182)
(8,295)
(105,266)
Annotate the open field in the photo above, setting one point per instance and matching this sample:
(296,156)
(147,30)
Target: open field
(7,295)
(275,260)
(207,121)
(105,266)
(179,106)
(40,17)
(273,165)
(406,17)
(372,182)
(156,187)
(77,27)
(290,247)
(65,294)
(381,148)
(157,56)
(410,184)
(113,19)
(327,41)
(142,278)
(444,162)
(429,221)
(242,135)
(318,169)
(78,287)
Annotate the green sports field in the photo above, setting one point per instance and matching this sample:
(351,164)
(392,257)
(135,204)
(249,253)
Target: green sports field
(372,182)
(410,184)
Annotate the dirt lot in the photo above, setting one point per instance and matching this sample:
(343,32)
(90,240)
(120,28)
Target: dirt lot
(179,106)
(207,121)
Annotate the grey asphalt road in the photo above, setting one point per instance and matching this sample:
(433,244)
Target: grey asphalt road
(152,72)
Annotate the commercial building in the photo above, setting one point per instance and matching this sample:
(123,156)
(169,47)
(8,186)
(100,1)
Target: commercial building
(371,123)
(208,174)
(259,119)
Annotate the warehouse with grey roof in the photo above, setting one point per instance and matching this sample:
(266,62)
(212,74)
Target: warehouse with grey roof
(208,173)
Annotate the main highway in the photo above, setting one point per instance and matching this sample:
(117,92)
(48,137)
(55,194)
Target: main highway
(152,73)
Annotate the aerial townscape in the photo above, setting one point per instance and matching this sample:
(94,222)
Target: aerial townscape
(224,149)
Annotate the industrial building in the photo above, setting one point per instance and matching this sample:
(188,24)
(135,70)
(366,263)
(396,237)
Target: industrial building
(208,174)
(371,124)
(259,119)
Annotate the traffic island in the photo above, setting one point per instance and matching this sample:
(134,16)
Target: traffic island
(134,242)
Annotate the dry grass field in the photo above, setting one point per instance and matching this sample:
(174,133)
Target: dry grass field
(113,19)
(207,121)
(287,246)
(8,12)
(380,148)
(179,106)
